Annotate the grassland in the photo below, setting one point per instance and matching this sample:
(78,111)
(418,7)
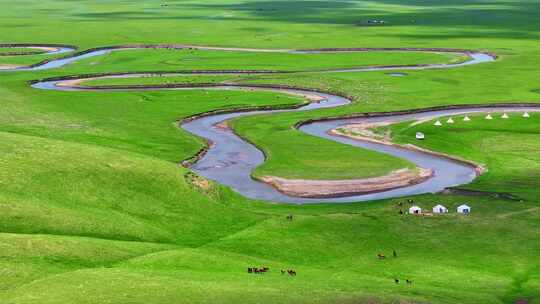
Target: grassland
(95,209)
(291,154)
(506,146)
(231,60)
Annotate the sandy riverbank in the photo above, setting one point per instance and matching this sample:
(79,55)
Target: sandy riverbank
(339,188)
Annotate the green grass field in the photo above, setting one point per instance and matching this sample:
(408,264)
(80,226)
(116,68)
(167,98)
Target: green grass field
(95,208)
(171,60)
(506,146)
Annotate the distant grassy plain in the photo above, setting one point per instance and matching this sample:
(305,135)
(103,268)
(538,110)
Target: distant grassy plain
(95,209)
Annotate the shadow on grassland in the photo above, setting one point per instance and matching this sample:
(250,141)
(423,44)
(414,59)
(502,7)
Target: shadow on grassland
(473,19)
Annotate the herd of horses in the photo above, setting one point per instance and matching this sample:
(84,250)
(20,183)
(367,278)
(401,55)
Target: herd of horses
(266,269)
(259,270)
(409,282)
(381,256)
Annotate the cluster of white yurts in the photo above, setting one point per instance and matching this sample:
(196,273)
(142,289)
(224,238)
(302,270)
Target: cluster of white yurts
(489,116)
(462,209)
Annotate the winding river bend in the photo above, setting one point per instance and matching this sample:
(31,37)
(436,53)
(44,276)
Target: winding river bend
(230,159)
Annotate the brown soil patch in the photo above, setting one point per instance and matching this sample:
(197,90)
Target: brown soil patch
(310,97)
(9,66)
(45,48)
(363,131)
(336,188)
(198,182)
(223,125)
(73,82)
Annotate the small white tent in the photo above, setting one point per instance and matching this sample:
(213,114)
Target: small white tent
(420,135)
(505,116)
(415,210)
(464,209)
(466,118)
(489,116)
(438,123)
(526,115)
(440,209)
(450,120)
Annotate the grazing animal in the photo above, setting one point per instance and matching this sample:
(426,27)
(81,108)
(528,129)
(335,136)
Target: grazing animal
(291,272)
(394,253)
(283,271)
(381,256)
(409,281)
(290,217)
(396,281)
(400,204)
(410,201)
(400,211)
(258,270)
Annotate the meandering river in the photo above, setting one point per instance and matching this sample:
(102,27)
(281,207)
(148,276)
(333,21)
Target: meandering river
(230,160)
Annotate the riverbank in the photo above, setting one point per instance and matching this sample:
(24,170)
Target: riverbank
(342,188)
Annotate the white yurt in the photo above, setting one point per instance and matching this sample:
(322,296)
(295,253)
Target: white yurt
(438,123)
(420,135)
(450,120)
(464,209)
(415,210)
(526,115)
(440,209)
(466,118)
(489,116)
(505,116)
